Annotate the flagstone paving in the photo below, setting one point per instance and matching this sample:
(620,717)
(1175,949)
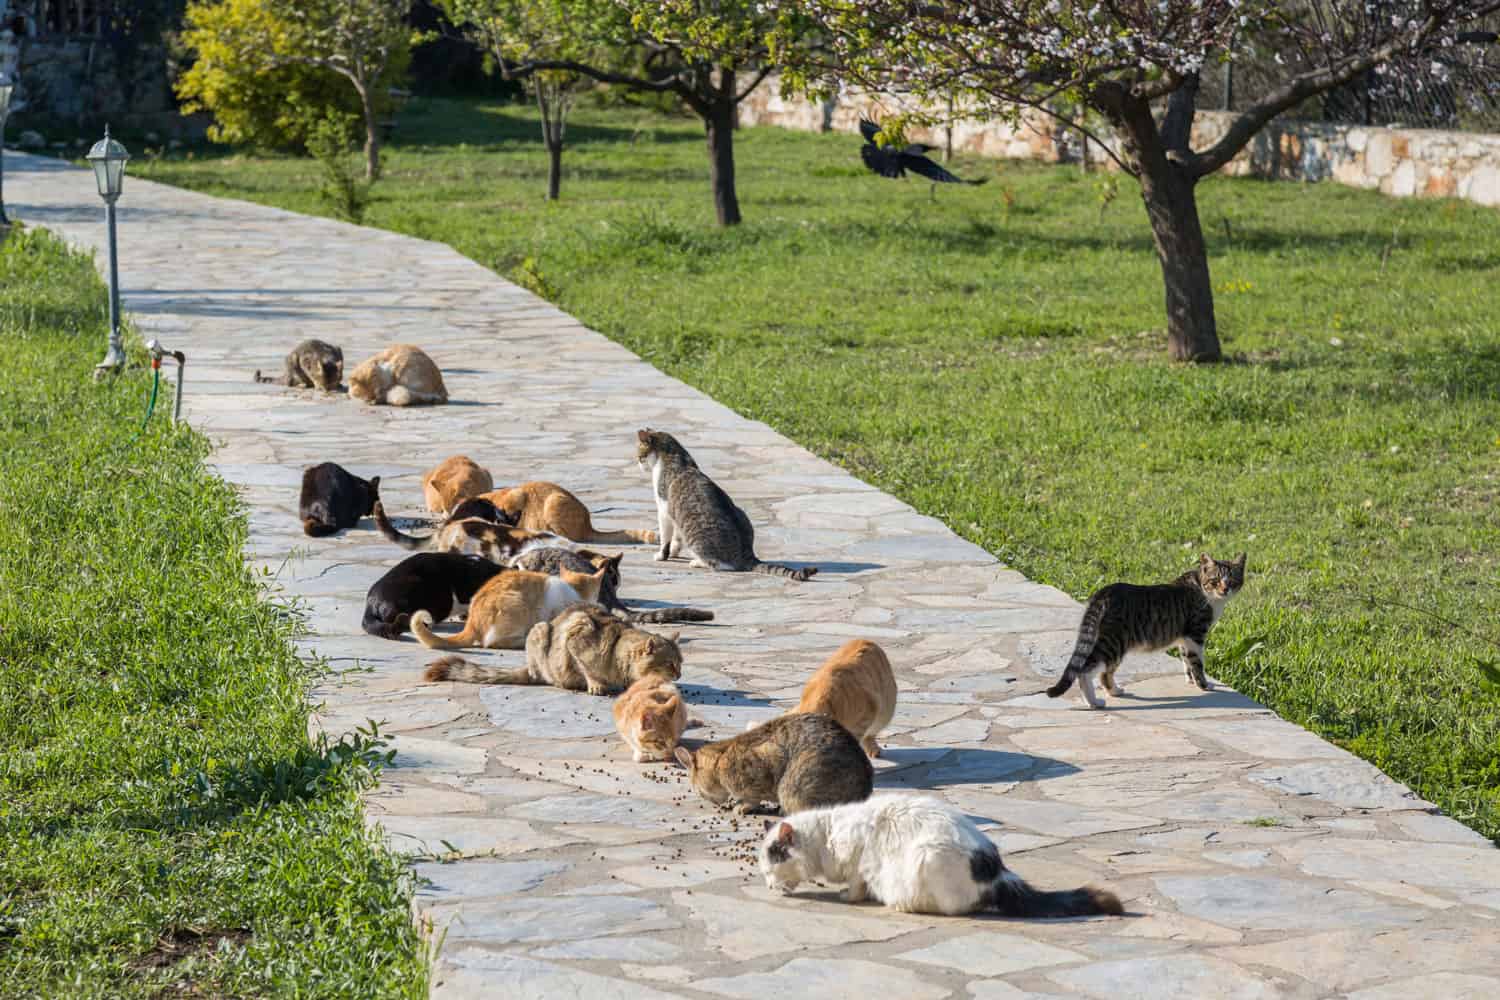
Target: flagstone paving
(1256,860)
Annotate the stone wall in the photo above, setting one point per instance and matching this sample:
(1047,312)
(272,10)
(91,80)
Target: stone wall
(1402,162)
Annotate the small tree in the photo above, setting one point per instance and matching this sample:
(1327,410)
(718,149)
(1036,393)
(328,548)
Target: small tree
(1121,60)
(709,53)
(244,48)
(519,31)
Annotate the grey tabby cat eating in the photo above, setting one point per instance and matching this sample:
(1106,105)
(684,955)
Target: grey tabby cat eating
(1124,618)
(695,517)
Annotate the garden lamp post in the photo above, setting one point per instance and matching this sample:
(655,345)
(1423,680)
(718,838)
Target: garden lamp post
(7,88)
(108,160)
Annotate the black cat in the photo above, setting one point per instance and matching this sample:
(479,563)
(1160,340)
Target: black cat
(440,583)
(334,499)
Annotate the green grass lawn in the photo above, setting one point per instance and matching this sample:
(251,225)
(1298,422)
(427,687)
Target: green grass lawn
(998,359)
(166,828)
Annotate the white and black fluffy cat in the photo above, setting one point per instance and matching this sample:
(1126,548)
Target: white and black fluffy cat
(913,854)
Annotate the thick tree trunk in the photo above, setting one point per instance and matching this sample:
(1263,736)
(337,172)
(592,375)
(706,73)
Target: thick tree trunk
(1168,188)
(1172,206)
(372,135)
(718,118)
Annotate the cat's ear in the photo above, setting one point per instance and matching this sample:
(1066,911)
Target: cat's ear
(374,483)
(613,562)
(674,636)
(684,757)
(1240,562)
(643,435)
(769,823)
(785,835)
(1205,560)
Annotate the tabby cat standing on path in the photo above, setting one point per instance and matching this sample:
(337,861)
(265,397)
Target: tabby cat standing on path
(695,517)
(1124,618)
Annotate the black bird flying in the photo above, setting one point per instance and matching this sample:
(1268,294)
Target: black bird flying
(888,161)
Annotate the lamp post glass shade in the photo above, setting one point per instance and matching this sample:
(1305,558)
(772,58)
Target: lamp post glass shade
(108,159)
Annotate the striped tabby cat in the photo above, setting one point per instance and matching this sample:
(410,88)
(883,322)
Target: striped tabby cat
(1124,618)
(695,516)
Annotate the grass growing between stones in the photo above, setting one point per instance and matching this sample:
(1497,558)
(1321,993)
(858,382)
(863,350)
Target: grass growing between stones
(166,828)
(997,358)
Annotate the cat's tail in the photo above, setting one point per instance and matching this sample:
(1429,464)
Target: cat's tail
(388,529)
(268,380)
(456,668)
(798,573)
(1013,897)
(1088,638)
(665,616)
(622,537)
(421,627)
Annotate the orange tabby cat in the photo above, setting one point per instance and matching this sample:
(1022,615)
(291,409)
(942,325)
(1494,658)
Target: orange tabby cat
(452,481)
(857,687)
(505,608)
(401,375)
(650,717)
(541,506)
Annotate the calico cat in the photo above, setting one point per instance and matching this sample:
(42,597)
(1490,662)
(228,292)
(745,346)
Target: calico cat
(400,375)
(334,499)
(497,542)
(799,761)
(695,516)
(585,648)
(1124,618)
(857,688)
(551,560)
(312,364)
(504,610)
(914,854)
(453,480)
(440,583)
(542,506)
(650,717)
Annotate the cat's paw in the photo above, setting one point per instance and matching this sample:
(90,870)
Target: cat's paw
(661,555)
(1115,691)
(855,894)
(872,749)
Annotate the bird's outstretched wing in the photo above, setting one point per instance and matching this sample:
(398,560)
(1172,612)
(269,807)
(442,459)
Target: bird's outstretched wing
(919,148)
(922,165)
(868,129)
(885,162)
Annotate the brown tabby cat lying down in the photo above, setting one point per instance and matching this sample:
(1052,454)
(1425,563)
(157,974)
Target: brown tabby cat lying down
(470,536)
(585,648)
(542,506)
(504,610)
(857,688)
(454,480)
(400,375)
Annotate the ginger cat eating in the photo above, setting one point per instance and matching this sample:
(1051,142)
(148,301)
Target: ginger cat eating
(503,611)
(650,717)
(857,687)
(539,506)
(452,481)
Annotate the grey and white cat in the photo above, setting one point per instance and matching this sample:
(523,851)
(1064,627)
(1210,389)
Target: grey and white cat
(695,517)
(1125,618)
(914,854)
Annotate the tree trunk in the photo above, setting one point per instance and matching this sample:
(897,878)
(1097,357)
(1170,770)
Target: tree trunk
(552,136)
(718,118)
(1172,206)
(1168,187)
(372,135)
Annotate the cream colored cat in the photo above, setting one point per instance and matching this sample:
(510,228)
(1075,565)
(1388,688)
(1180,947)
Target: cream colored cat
(508,605)
(400,375)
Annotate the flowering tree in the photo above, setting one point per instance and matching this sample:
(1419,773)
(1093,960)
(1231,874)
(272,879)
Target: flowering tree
(1136,63)
(709,53)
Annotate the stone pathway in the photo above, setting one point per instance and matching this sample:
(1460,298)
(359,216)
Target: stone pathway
(1257,861)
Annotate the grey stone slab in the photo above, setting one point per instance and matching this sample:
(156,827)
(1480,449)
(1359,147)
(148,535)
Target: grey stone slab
(1264,902)
(482,878)
(825,979)
(991,954)
(1171,978)
(474,972)
(532,918)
